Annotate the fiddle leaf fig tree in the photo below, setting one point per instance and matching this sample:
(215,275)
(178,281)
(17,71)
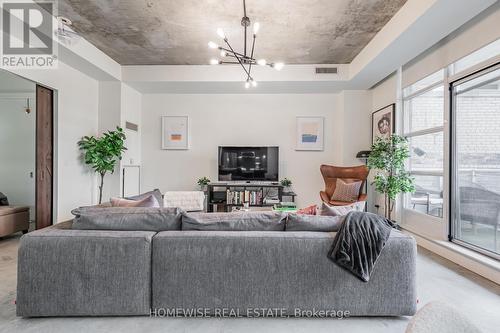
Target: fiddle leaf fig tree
(102,153)
(387,159)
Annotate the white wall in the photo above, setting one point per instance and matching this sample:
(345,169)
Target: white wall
(131,102)
(119,103)
(383,94)
(77,98)
(17,149)
(108,120)
(238,120)
(355,128)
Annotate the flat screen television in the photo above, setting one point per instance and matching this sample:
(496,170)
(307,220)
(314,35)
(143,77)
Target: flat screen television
(248,164)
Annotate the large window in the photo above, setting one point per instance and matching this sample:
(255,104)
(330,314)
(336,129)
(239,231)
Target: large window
(475,168)
(423,107)
(452,121)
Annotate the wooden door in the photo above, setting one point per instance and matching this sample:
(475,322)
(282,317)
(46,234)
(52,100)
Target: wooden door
(44,156)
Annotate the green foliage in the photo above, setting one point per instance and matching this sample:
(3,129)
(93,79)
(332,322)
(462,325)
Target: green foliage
(387,158)
(285,182)
(203,181)
(102,154)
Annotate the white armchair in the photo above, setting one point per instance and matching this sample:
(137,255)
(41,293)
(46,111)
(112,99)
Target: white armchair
(189,201)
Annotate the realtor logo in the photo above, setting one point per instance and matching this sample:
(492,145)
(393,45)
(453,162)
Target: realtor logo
(28,34)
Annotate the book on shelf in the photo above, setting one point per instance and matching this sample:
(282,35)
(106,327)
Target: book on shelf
(252,197)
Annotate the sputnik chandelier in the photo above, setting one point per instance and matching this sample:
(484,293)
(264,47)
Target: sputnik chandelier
(230,56)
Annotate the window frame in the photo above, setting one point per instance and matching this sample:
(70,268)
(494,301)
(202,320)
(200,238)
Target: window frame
(464,76)
(426,131)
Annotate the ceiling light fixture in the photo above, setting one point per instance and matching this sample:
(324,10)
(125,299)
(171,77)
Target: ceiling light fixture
(245,60)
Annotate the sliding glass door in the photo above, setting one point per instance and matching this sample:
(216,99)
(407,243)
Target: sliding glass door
(475,168)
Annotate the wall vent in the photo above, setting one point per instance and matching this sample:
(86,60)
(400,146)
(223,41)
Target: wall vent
(131,126)
(326,70)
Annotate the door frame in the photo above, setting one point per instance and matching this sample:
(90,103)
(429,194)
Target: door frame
(44,157)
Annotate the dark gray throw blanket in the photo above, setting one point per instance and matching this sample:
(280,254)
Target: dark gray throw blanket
(359,241)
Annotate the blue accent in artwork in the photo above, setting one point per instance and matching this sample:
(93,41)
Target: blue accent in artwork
(309,138)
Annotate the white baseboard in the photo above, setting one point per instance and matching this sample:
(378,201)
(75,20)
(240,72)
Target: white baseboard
(480,264)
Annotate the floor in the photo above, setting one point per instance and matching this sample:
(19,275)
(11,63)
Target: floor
(438,279)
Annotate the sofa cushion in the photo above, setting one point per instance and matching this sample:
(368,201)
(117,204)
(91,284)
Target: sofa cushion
(149,201)
(84,273)
(237,221)
(251,270)
(156,193)
(127,218)
(302,222)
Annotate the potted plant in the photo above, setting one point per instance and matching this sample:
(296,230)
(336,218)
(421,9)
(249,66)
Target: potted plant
(387,159)
(103,153)
(203,182)
(286,183)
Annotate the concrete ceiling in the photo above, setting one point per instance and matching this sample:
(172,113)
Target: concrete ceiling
(173,32)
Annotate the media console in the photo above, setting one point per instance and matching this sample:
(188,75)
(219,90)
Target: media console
(228,195)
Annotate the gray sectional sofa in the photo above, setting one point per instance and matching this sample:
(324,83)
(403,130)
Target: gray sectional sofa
(133,261)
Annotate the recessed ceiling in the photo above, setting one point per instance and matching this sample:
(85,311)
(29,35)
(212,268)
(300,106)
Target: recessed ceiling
(176,32)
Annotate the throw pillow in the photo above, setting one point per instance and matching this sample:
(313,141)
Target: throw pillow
(156,193)
(347,192)
(336,210)
(311,210)
(149,201)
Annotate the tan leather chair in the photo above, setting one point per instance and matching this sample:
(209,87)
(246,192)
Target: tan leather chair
(330,175)
(14,219)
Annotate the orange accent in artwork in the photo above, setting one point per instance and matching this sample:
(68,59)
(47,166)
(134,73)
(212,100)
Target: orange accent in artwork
(176,137)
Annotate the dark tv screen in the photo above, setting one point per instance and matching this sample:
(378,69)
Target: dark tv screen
(248,164)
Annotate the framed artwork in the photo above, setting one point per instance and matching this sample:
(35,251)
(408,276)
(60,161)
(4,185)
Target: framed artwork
(175,132)
(310,133)
(383,122)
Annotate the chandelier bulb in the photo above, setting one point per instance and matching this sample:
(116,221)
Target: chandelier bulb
(256,27)
(244,60)
(221,33)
